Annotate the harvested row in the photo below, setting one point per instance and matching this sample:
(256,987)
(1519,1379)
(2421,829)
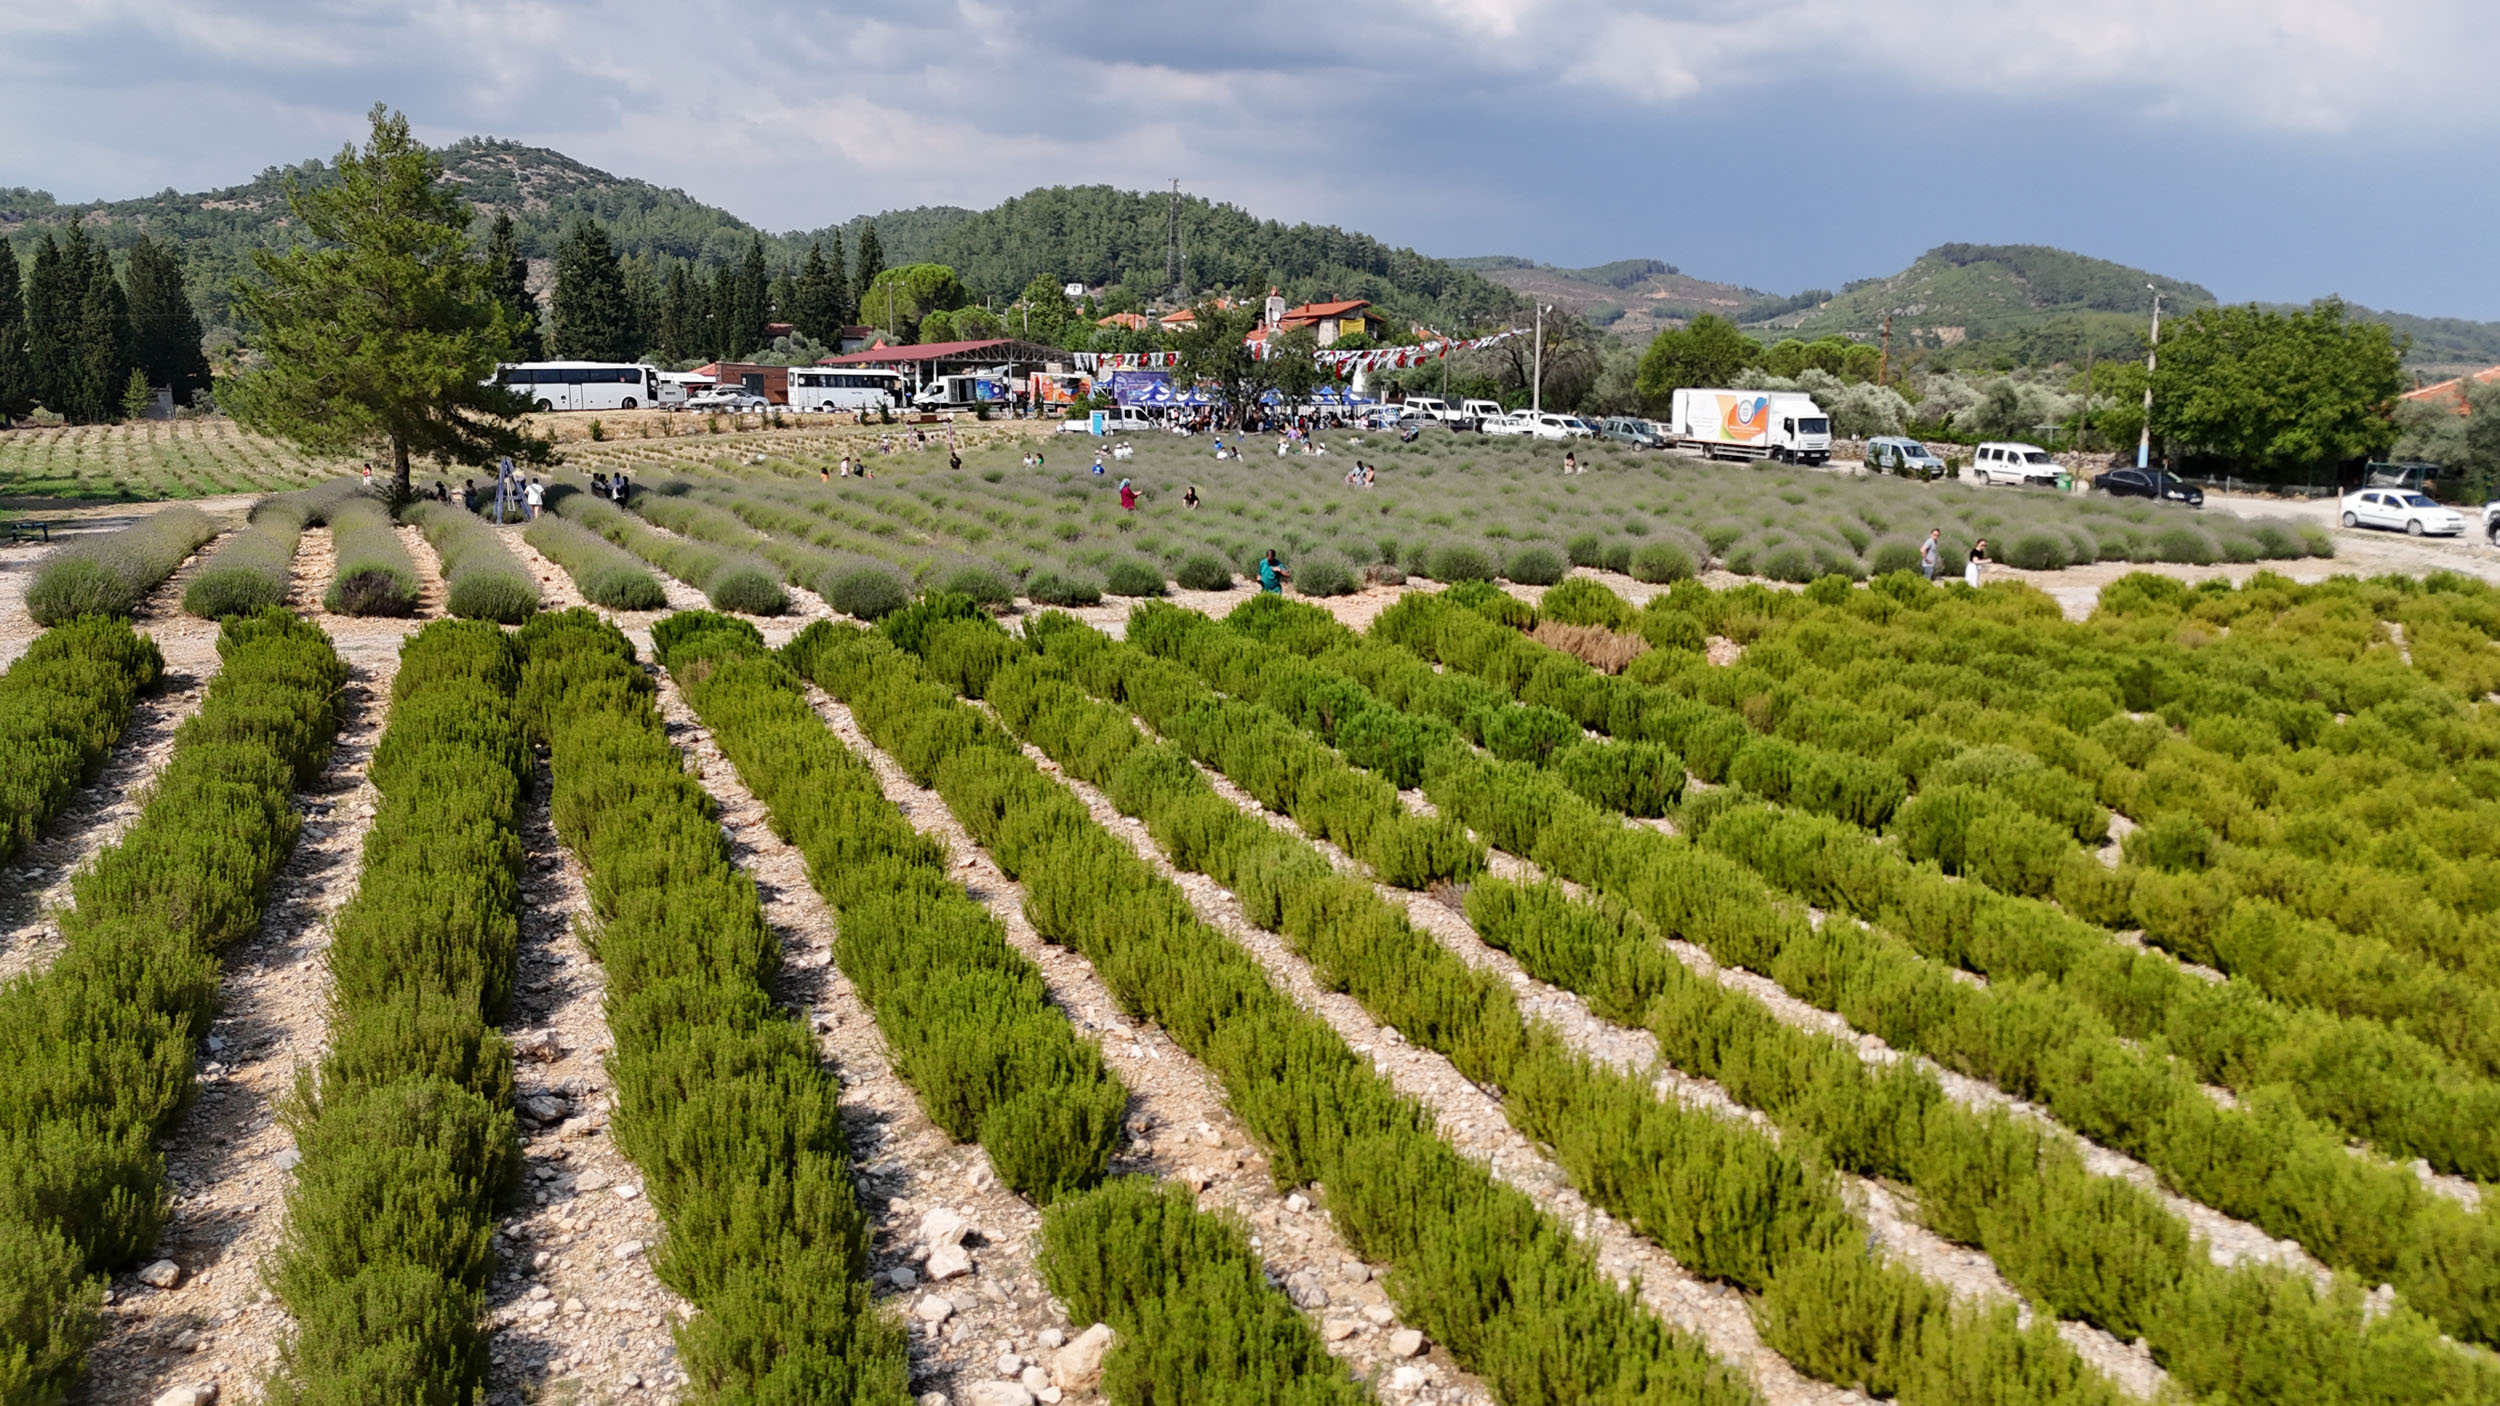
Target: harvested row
(109,574)
(1196,1319)
(62,705)
(254,567)
(730,581)
(720,1099)
(485,581)
(96,1053)
(373,573)
(606,574)
(2094,1248)
(1505,1288)
(971,1027)
(2268,1163)
(1727,1201)
(406,1129)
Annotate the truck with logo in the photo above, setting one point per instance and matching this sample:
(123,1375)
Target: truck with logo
(1782,425)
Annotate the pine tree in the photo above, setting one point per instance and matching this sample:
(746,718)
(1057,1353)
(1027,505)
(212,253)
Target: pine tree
(722,319)
(508,276)
(56,286)
(593,319)
(680,328)
(103,347)
(137,395)
(816,298)
(642,306)
(871,263)
(381,326)
(164,326)
(17,373)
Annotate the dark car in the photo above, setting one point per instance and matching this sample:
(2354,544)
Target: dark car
(1625,430)
(2150,483)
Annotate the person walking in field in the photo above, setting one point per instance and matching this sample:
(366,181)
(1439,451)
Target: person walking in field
(619,488)
(1128,496)
(1931,553)
(536,498)
(1978,559)
(1272,574)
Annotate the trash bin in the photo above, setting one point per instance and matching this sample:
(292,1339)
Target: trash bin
(2065,481)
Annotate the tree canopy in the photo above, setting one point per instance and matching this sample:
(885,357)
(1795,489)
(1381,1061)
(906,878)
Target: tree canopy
(2266,390)
(382,327)
(903,296)
(1708,351)
(594,320)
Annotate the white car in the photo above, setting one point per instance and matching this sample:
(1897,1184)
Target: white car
(727,398)
(2416,513)
(1548,425)
(1505,425)
(2016,464)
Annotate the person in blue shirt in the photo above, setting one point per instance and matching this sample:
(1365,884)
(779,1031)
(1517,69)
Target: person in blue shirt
(1272,574)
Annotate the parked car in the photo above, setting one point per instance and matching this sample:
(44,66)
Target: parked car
(1623,429)
(1902,456)
(1476,412)
(2491,522)
(2415,513)
(1548,425)
(2004,462)
(2150,483)
(727,398)
(1506,425)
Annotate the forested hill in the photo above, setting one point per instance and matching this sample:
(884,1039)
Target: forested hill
(1093,233)
(1103,236)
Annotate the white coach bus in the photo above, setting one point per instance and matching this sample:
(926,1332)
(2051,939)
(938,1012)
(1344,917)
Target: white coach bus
(844,388)
(590,385)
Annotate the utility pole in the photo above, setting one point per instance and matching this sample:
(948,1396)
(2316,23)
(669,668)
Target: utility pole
(1883,358)
(1536,378)
(2152,355)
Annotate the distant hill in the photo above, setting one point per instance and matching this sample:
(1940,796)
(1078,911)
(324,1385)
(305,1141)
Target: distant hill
(1093,233)
(1956,292)
(1630,297)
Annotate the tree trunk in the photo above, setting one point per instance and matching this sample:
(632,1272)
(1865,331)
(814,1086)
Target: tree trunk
(399,470)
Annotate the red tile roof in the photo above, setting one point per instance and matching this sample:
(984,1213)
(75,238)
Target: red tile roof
(2453,388)
(928,351)
(1315,311)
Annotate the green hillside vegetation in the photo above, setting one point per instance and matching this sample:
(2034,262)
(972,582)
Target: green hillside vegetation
(1992,289)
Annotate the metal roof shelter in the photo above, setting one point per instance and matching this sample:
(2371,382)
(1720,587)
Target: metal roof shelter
(929,359)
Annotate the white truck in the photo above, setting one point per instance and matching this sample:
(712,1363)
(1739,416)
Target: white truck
(1781,425)
(959,393)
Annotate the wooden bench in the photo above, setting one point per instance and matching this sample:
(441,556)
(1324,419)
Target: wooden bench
(28,531)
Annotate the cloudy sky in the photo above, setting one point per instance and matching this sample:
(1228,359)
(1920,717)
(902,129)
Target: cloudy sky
(2269,149)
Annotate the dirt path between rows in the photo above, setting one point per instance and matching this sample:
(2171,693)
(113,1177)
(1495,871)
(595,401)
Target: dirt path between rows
(227,1156)
(1179,1127)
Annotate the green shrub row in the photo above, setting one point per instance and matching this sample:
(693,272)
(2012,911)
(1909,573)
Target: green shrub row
(603,572)
(372,573)
(62,706)
(96,1051)
(2093,1248)
(1389,711)
(1189,1299)
(255,567)
(482,579)
(2058,1245)
(731,581)
(111,572)
(1983,813)
(1263,753)
(2372,1080)
(2264,1161)
(1728,1202)
(406,1126)
(1511,1294)
(969,1021)
(720,1097)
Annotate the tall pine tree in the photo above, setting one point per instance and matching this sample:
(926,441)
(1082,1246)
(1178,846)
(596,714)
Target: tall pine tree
(680,328)
(17,373)
(752,307)
(816,298)
(719,329)
(508,277)
(593,319)
(164,326)
(642,304)
(843,312)
(55,287)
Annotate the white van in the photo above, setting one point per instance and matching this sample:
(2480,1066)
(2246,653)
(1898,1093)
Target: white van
(1476,412)
(1430,407)
(2005,461)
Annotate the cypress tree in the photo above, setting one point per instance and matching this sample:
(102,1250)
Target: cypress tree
(871,262)
(642,306)
(753,305)
(718,330)
(53,291)
(816,297)
(103,363)
(164,326)
(593,319)
(680,328)
(508,278)
(843,311)
(17,374)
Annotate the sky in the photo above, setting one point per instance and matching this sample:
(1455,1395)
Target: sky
(2274,150)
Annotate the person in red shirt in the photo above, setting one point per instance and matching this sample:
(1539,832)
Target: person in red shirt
(1128,495)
